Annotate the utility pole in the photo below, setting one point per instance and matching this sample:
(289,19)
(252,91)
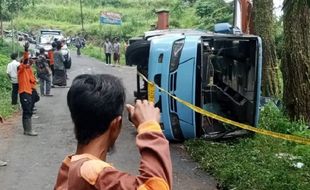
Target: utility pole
(82,18)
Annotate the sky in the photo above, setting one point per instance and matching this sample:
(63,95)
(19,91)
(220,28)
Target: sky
(277,6)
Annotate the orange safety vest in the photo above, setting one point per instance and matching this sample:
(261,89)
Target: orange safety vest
(51,57)
(24,81)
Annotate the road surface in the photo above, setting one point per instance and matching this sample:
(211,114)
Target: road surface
(33,162)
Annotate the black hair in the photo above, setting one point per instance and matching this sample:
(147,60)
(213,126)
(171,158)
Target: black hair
(94,101)
(26,61)
(42,50)
(54,44)
(14,56)
(58,45)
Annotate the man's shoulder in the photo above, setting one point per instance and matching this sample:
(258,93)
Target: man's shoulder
(89,167)
(13,63)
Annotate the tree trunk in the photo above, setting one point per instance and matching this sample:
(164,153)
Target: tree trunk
(296,59)
(263,26)
(1,19)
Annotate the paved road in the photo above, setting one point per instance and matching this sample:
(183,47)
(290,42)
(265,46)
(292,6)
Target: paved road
(33,161)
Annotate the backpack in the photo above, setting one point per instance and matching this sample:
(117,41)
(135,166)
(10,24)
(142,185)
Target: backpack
(41,65)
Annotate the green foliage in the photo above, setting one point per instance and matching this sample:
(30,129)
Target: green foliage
(279,37)
(5,85)
(93,51)
(273,119)
(212,12)
(11,8)
(137,17)
(96,51)
(261,162)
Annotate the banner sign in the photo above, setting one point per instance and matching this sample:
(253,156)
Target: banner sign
(110,18)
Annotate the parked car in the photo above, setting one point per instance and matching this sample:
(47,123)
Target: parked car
(46,37)
(220,73)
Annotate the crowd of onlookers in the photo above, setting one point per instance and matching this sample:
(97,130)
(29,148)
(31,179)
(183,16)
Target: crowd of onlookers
(50,72)
(50,69)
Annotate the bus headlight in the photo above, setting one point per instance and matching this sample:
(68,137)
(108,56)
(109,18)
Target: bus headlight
(176,54)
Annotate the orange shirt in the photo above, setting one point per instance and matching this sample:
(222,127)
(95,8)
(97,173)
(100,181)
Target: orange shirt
(24,84)
(86,172)
(51,57)
(26,55)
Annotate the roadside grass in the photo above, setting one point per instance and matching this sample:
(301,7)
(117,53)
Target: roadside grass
(6,109)
(259,162)
(98,53)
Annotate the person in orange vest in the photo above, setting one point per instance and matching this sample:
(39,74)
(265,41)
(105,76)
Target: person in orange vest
(50,56)
(25,93)
(34,95)
(91,97)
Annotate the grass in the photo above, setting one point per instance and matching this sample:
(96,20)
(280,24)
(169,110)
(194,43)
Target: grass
(97,53)
(260,162)
(6,109)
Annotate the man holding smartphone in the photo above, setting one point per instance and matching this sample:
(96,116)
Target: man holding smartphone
(96,103)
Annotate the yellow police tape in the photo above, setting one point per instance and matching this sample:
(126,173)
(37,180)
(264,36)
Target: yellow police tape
(151,96)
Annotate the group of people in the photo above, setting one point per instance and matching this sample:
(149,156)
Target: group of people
(49,68)
(97,123)
(112,48)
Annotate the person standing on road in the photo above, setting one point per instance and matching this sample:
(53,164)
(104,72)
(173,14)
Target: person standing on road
(25,93)
(116,52)
(50,55)
(96,103)
(60,77)
(12,74)
(108,51)
(44,74)
(33,81)
(78,45)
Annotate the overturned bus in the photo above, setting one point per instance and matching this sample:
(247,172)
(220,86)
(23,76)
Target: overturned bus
(220,73)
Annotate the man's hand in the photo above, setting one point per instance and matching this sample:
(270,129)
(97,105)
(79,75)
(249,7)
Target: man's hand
(143,111)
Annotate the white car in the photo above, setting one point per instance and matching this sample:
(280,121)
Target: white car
(45,39)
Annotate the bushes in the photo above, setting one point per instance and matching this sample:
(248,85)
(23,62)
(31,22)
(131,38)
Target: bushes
(5,85)
(261,162)
(136,18)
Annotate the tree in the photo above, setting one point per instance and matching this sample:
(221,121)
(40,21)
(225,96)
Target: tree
(1,18)
(263,27)
(212,12)
(296,58)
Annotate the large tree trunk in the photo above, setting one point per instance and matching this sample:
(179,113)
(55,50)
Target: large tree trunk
(296,59)
(263,26)
(1,19)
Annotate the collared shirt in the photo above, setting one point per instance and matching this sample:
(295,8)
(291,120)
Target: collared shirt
(116,47)
(108,47)
(86,172)
(11,70)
